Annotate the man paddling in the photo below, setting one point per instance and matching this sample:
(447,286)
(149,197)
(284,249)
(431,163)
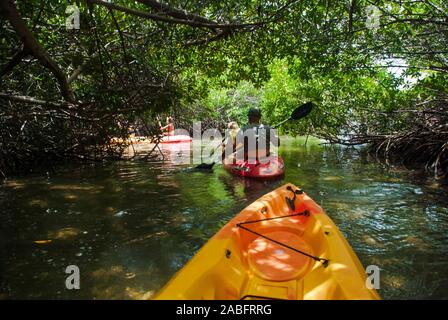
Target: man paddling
(269,136)
(257,139)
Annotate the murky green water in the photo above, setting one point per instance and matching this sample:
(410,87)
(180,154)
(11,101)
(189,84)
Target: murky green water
(130,226)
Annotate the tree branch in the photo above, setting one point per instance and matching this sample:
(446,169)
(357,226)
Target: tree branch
(173,12)
(350,17)
(123,46)
(31,100)
(156,17)
(15,60)
(221,35)
(9,10)
(76,73)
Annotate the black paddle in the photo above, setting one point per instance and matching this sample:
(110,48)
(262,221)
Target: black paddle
(298,113)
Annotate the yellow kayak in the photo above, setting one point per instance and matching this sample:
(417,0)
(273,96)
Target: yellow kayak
(282,246)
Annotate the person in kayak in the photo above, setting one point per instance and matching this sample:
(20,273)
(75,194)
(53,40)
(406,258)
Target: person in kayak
(230,142)
(257,139)
(168,130)
(233,128)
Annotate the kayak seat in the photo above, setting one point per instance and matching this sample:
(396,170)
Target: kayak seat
(274,262)
(293,226)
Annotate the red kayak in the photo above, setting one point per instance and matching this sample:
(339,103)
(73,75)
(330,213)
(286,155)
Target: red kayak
(273,168)
(176,139)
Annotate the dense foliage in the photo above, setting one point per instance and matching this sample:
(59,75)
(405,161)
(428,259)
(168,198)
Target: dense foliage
(66,93)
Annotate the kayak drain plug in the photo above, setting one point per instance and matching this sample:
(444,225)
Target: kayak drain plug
(228,253)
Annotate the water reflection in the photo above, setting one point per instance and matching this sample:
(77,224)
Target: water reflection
(130,226)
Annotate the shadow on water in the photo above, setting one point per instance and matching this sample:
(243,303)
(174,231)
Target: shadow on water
(130,226)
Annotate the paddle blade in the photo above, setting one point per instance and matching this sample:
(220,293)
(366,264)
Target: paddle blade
(205,166)
(302,111)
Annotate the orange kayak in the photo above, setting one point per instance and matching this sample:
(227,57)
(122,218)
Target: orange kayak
(282,246)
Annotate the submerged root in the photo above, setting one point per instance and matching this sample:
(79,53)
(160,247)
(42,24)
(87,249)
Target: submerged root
(420,138)
(428,149)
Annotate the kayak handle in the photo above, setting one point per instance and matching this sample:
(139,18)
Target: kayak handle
(292,202)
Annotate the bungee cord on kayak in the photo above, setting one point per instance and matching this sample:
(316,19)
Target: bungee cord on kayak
(304,213)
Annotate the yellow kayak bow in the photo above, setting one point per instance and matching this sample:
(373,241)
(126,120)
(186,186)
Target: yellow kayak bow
(282,246)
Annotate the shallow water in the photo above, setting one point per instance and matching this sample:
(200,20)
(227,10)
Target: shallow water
(130,226)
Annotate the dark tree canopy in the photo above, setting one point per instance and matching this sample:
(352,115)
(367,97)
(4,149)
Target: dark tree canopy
(65,93)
